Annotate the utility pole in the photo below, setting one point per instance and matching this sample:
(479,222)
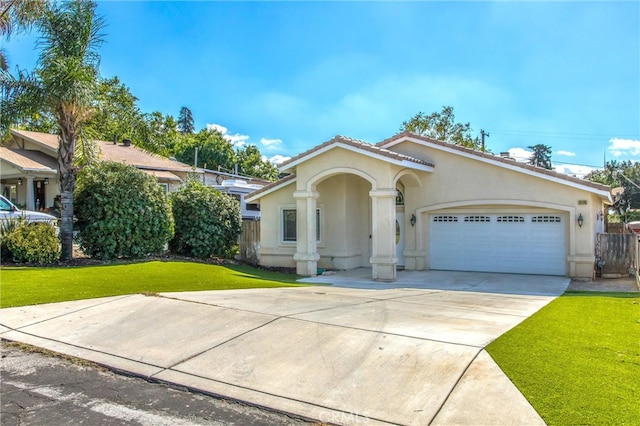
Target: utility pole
(483,134)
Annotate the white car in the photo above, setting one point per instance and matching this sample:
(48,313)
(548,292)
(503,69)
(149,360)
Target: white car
(9,211)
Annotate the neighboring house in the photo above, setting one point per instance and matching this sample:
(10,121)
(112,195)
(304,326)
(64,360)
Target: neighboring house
(239,189)
(416,203)
(29,171)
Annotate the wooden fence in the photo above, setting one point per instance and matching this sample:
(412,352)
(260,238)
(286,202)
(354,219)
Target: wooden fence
(249,241)
(617,255)
(617,228)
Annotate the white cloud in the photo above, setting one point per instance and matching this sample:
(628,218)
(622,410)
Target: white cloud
(271,144)
(237,140)
(223,130)
(576,170)
(278,159)
(520,154)
(566,153)
(624,147)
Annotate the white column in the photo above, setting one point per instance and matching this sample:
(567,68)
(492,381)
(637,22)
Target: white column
(31,199)
(306,256)
(383,245)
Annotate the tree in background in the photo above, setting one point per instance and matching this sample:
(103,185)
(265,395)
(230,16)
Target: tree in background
(541,156)
(214,151)
(116,115)
(251,163)
(65,85)
(625,174)
(443,127)
(185,121)
(18,16)
(162,135)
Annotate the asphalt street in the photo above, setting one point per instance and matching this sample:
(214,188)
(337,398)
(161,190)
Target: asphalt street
(38,388)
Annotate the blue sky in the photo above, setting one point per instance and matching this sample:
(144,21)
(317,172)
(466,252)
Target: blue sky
(287,76)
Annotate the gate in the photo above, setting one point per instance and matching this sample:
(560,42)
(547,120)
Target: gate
(249,241)
(617,255)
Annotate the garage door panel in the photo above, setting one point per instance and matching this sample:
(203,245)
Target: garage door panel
(521,243)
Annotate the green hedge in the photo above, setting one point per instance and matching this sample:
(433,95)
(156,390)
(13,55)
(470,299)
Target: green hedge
(121,212)
(207,222)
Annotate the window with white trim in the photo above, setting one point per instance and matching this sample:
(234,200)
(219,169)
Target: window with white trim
(289,224)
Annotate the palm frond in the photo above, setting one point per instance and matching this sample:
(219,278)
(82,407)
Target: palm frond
(87,150)
(20,96)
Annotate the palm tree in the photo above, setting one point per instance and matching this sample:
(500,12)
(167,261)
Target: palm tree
(17,16)
(64,84)
(541,156)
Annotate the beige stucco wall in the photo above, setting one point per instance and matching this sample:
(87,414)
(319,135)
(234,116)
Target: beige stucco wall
(343,180)
(462,184)
(344,227)
(345,222)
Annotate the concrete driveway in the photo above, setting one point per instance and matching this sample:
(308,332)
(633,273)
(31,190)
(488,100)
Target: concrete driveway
(401,354)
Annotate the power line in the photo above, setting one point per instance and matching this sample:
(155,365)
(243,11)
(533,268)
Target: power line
(560,162)
(543,133)
(550,136)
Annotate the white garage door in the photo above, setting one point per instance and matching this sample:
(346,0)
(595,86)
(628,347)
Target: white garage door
(511,243)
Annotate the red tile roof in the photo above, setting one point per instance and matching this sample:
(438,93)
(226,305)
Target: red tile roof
(356,144)
(496,158)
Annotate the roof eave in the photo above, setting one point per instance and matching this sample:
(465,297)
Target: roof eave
(290,167)
(259,193)
(402,137)
(17,133)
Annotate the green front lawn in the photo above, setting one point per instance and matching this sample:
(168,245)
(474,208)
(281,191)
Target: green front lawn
(21,286)
(577,360)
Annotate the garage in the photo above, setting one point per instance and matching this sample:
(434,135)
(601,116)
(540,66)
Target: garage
(531,243)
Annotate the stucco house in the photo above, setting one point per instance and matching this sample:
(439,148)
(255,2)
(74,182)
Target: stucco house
(416,203)
(29,170)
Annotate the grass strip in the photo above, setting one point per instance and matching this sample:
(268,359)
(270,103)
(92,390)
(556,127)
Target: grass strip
(20,286)
(577,360)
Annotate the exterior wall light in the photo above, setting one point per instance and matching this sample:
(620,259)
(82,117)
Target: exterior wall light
(600,215)
(580,220)
(19,181)
(46,181)
(413,220)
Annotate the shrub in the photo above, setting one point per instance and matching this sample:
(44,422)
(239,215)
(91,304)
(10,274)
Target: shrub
(207,222)
(33,243)
(121,212)
(6,228)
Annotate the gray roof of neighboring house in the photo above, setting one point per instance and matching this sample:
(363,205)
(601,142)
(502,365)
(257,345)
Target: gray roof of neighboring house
(28,160)
(113,152)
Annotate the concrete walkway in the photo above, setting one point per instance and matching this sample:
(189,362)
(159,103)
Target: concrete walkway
(339,355)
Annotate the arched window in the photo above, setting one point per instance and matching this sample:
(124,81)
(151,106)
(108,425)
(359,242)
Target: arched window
(399,198)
